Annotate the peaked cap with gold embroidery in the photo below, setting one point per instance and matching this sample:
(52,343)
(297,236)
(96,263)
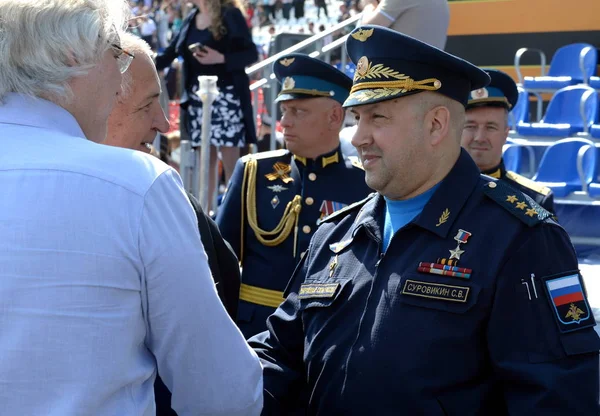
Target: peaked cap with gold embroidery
(391,65)
(304,77)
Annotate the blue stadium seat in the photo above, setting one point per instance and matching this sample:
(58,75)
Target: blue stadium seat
(595,82)
(595,131)
(511,154)
(594,187)
(568,166)
(572,64)
(520,112)
(571,110)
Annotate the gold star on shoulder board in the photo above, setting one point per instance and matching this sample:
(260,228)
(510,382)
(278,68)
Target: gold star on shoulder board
(511,198)
(531,212)
(521,205)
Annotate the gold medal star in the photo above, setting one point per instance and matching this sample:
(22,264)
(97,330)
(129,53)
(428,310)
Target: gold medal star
(521,205)
(455,254)
(511,198)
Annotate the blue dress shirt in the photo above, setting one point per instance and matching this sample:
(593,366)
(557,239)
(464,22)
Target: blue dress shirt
(104,280)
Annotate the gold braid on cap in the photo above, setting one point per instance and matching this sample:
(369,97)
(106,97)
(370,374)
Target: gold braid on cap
(283,229)
(398,83)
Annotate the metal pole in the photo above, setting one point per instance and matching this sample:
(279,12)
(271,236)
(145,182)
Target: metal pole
(207,92)
(274,117)
(186,165)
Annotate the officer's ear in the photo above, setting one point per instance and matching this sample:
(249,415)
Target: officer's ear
(437,124)
(336,116)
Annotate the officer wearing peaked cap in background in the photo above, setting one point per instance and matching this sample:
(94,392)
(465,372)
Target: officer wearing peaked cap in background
(275,199)
(446,292)
(486,130)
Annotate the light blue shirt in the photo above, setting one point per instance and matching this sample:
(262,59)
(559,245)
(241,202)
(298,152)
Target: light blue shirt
(400,213)
(103,278)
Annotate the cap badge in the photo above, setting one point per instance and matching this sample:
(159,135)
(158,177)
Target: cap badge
(362,35)
(480,93)
(362,67)
(289,83)
(287,61)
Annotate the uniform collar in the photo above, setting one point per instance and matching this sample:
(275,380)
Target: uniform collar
(443,208)
(496,172)
(321,162)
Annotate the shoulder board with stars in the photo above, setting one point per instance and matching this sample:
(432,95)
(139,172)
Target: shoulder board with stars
(517,203)
(345,211)
(266,155)
(528,183)
(356,162)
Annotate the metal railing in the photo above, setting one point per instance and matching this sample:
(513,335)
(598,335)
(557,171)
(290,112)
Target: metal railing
(194,165)
(269,81)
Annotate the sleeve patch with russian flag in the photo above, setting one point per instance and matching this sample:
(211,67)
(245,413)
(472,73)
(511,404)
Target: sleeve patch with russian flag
(567,299)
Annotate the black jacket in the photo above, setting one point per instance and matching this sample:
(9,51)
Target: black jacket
(239,50)
(226,273)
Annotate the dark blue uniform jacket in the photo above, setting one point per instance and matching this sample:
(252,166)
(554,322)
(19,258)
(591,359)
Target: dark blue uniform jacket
(539,193)
(362,332)
(321,185)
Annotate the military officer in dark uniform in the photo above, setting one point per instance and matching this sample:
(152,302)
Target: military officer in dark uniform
(446,292)
(275,199)
(486,130)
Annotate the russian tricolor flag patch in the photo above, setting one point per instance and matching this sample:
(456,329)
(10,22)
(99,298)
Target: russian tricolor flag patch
(567,298)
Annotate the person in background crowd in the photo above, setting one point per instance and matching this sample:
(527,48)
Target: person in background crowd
(425,20)
(147,28)
(437,295)
(486,130)
(103,277)
(275,199)
(215,40)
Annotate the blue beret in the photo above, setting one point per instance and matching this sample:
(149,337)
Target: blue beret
(304,77)
(501,92)
(391,65)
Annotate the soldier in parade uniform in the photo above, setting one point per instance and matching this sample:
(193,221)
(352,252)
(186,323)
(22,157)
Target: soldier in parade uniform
(447,292)
(486,130)
(275,199)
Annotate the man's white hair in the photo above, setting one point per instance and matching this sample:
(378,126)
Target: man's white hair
(138,47)
(45,43)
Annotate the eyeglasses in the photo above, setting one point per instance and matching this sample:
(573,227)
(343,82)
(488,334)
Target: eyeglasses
(123,58)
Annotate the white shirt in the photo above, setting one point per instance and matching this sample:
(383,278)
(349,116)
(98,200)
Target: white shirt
(103,278)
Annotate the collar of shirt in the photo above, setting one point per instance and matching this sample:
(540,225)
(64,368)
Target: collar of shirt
(497,171)
(29,111)
(326,160)
(400,213)
(439,213)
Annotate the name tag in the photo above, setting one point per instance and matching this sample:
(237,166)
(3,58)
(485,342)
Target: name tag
(436,291)
(317,290)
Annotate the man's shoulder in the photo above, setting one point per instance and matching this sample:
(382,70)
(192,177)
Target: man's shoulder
(527,184)
(125,168)
(265,157)
(518,204)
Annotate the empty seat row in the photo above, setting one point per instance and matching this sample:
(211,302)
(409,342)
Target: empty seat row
(571,65)
(572,111)
(567,166)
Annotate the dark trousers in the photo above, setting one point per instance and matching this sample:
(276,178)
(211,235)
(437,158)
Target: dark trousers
(285,10)
(298,8)
(321,6)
